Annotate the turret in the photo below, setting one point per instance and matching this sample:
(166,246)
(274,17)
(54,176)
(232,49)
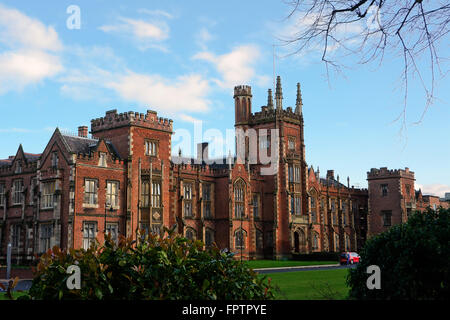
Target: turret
(269,100)
(279,94)
(298,102)
(242,103)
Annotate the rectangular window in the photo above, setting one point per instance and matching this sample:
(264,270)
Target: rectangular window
(2,194)
(296,174)
(90,192)
(384,190)
(151,148)
(206,198)
(113,230)
(18,167)
(18,192)
(15,236)
(187,200)
(314,216)
(89,234)
(387,216)
(48,192)
(239,201)
(255,206)
(45,237)
(102,159)
(291,174)
(291,143)
(298,205)
(145,194)
(54,159)
(156,194)
(408,189)
(112,194)
(313,202)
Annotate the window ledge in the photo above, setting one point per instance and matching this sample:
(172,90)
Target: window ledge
(93,206)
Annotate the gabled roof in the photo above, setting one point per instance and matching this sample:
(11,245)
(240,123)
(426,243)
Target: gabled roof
(83,145)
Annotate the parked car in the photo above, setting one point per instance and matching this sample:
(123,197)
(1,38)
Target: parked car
(349,258)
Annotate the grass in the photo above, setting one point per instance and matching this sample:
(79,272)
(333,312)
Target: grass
(15,294)
(311,285)
(256,264)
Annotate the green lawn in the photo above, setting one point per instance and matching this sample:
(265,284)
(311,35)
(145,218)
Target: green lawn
(16,294)
(255,264)
(311,285)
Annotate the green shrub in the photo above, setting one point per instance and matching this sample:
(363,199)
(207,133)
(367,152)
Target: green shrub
(153,267)
(413,258)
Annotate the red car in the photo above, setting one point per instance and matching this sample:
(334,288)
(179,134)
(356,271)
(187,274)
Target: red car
(349,258)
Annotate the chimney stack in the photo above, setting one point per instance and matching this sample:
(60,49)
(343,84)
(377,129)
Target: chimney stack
(330,174)
(83,131)
(202,151)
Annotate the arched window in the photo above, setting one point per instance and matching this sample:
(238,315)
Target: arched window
(239,207)
(209,237)
(190,234)
(259,239)
(316,241)
(239,237)
(336,243)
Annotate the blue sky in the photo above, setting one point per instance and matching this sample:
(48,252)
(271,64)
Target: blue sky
(182,59)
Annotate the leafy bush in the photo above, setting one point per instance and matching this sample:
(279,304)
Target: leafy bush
(316,256)
(413,258)
(153,267)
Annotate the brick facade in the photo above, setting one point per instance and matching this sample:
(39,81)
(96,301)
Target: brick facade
(125,178)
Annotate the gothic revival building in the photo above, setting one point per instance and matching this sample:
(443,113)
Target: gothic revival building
(124,178)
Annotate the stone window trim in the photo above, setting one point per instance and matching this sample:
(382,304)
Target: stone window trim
(48,195)
(256,205)
(240,236)
(110,195)
(384,189)
(18,192)
(187,199)
(2,194)
(190,233)
(239,199)
(92,194)
(151,147)
(291,143)
(209,236)
(102,160)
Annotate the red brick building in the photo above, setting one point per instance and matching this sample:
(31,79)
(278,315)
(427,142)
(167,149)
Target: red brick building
(392,198)
(125,178)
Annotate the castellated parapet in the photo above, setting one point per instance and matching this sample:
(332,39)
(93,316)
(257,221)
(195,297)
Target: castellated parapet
(384,172)
(112,120)
(242,90)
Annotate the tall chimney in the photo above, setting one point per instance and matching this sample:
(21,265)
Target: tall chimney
(202,151)
(330,174)
(83,131)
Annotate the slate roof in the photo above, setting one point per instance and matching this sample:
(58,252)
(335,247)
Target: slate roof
(82,145)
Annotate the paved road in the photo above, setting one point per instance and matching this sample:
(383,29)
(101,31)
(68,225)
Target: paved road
(303,268)
(22,285)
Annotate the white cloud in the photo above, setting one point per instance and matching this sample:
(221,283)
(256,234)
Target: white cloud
(19,30)
(435,189)
(27,61)
(156,13)
(146,34)
(188,118)
(185,93)
(21,68)
(236,67)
